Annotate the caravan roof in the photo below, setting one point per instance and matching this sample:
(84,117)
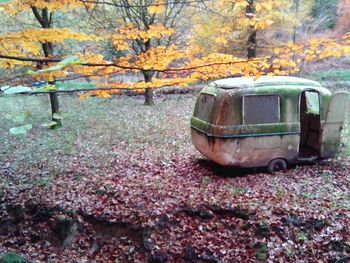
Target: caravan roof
(243,82)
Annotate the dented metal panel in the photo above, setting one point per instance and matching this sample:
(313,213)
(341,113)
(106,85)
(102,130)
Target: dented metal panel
(248,151)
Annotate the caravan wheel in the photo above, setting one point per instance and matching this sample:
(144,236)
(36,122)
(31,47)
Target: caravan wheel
(277,165)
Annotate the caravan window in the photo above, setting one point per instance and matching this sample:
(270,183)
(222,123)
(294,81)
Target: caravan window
(261,109)
(312,102)
(204,106)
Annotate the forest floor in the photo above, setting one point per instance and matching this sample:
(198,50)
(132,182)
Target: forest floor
(122,182)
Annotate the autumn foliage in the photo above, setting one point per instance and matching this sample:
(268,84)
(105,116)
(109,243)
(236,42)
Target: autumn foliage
(143,41)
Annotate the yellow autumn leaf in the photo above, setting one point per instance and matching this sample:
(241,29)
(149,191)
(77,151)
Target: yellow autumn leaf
(241,4)
(157,8)
(221,40)
(258,7)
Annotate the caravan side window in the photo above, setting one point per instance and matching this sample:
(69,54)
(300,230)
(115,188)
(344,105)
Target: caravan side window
(260,109)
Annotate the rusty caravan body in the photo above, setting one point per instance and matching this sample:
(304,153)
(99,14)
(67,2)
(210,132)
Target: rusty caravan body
(271,121)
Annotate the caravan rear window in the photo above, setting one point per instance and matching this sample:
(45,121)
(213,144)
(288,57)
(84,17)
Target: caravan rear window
(204,107)
(260,109)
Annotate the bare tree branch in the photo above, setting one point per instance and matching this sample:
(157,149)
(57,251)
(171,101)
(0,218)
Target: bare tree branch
(142,6)
(48,60)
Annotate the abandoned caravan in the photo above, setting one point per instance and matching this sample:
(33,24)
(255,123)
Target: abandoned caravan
(272,121)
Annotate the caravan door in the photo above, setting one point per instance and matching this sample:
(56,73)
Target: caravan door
(332,128)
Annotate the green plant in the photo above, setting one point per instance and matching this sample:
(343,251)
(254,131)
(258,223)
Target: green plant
(261,254)
(300,236)
(19,119)
(12,258)
(238,190)
(205,182)
(44,182)
(280,194)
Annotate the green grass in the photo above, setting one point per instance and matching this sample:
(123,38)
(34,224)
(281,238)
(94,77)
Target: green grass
(93,129)
(12,258)
(73,85)
(336,75)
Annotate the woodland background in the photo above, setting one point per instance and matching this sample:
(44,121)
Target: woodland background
(120,181)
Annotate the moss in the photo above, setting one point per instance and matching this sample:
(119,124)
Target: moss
(261,252)
(227,113)
(283,91)
(199,124)
(324,104)
(12,258)
(245,130)
(210,90)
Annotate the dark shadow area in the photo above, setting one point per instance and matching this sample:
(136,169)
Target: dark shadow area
(227,171)
(310,130)
(232,172)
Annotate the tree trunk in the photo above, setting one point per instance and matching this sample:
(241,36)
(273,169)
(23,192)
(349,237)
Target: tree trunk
(149,92)
(149,97)
(55,108)
(251,50)
(294,36)
(45,20)
(296,10)
(48,49)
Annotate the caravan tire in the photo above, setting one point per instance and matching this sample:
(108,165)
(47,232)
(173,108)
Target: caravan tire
(277,165)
